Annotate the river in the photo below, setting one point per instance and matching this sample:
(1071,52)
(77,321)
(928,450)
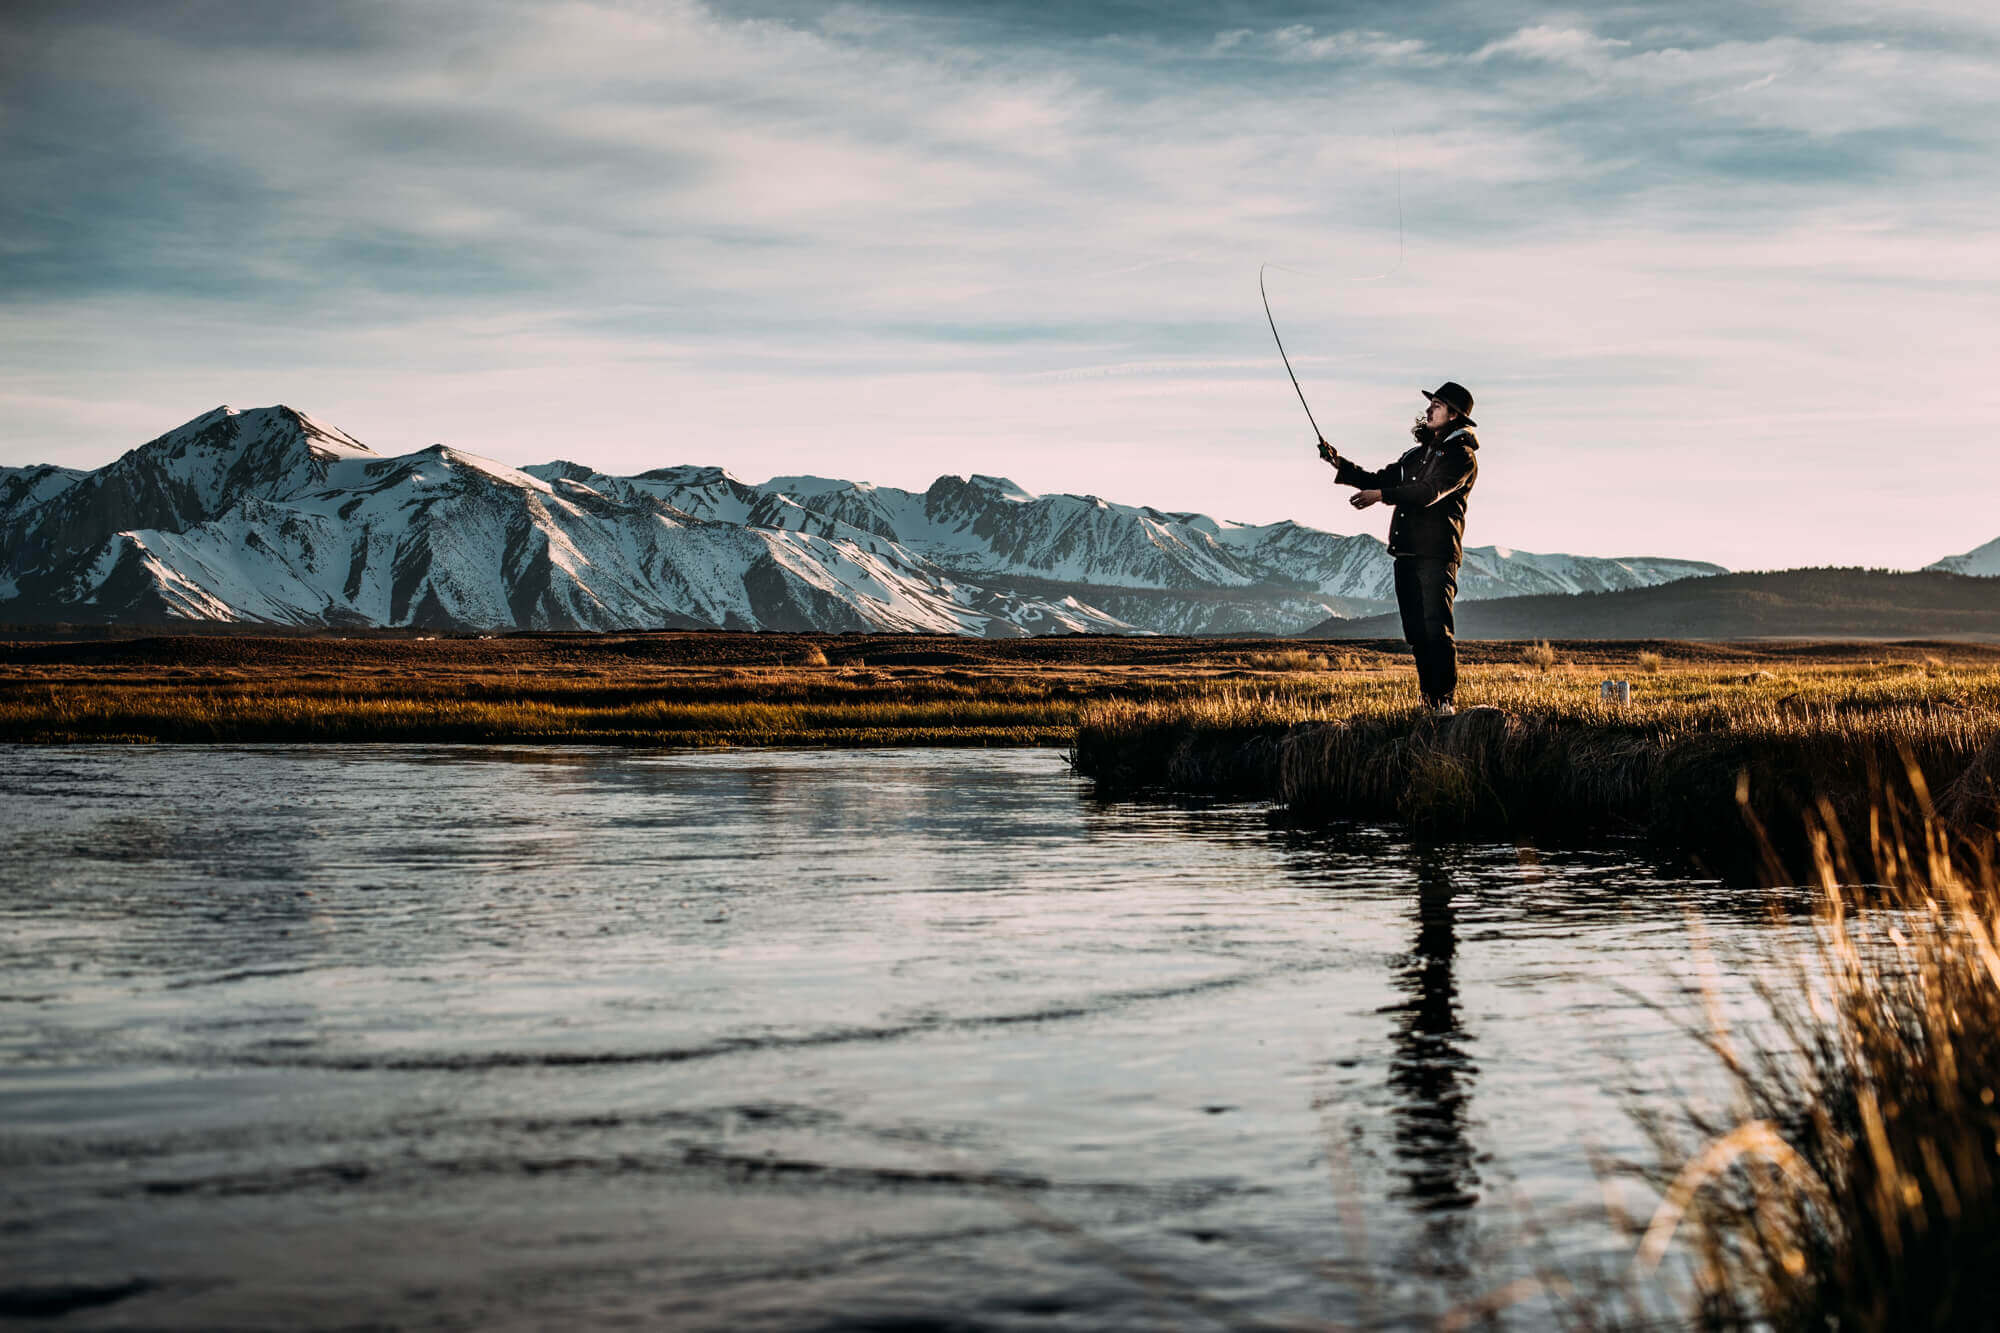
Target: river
(918,1039)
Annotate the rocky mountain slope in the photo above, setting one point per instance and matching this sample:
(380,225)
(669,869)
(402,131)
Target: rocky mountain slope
(266,515)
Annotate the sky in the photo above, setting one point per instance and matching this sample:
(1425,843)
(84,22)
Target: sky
(1721,277)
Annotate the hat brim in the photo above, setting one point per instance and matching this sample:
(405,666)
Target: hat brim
(1434,398)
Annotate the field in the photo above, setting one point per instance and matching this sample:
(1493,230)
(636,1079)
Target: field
(673,689)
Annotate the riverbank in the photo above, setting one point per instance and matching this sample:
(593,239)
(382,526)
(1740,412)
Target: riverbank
(1698,762)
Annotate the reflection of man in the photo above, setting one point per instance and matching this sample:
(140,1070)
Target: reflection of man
(1428,486)
(1430,1068)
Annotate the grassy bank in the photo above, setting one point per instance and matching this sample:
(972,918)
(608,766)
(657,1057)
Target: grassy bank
(1533,754)
(1328,729)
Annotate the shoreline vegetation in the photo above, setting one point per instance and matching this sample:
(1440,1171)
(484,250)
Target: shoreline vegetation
(1724,767)
(1851,1177)
(1329,730)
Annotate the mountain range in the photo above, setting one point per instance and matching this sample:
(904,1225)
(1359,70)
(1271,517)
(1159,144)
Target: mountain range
(268,516)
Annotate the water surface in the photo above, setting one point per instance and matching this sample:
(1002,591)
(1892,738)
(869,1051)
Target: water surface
(465,1037)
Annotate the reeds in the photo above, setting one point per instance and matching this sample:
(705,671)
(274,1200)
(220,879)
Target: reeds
(1855,1182)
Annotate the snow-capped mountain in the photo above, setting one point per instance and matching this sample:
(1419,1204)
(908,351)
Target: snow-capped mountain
(268,516)
(1980,561)
(984,526)
(24,488)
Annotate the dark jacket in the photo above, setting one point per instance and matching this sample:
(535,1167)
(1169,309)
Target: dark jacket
(1428,485)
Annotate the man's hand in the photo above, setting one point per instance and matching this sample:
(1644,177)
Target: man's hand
(1362,499)
(1329,454)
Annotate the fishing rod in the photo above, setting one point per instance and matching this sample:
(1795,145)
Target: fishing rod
(1317,433)
(1326,450)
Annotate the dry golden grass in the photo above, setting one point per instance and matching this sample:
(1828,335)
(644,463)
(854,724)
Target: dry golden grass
(1539,655)
(709,690)
(1292,659)
(1535,753)
(1854,1183)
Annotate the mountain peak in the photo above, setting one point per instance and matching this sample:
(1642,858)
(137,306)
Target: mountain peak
(561,470)
(694,474)
(806,486)
(1982,561)
(1000,487)
(489,468)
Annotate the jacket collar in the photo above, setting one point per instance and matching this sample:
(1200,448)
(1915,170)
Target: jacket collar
(1461,435)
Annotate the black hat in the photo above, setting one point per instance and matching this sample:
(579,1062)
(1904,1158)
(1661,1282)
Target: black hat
(1454,396)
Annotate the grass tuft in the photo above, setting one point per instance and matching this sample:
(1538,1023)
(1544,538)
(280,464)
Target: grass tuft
(1290,659)
(1539,655)
(1854,1183)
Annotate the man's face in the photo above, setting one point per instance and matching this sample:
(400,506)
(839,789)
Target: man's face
(1438,416)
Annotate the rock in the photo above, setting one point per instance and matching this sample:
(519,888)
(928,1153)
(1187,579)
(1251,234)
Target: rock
(1473,733)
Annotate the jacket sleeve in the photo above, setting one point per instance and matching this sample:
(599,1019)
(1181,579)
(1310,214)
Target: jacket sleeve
(1449,469)
(1348,474)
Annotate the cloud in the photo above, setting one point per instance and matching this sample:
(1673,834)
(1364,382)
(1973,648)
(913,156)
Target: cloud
(911,237)
(1301,42)
(1575,47)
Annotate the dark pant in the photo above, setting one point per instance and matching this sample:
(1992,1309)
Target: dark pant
(1425,588)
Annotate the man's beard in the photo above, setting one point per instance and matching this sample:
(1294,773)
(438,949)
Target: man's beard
(1421,432)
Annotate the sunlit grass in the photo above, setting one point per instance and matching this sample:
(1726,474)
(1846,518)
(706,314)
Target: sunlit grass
(1537,753)
(1292,659)
(1854,1181)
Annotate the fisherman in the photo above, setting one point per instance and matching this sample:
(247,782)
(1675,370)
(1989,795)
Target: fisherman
(1428,486)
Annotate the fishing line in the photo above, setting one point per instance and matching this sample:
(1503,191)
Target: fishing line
(1401,255)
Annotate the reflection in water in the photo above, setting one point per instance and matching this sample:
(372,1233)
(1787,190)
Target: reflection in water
(1430,1073)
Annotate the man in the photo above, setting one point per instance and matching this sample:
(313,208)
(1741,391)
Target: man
(1428,486)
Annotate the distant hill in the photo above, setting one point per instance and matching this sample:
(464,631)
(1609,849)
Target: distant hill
(1789,603)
